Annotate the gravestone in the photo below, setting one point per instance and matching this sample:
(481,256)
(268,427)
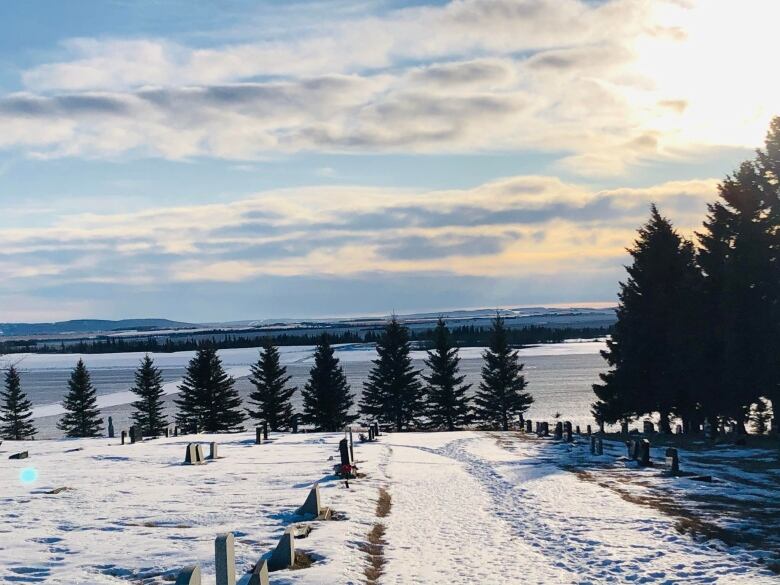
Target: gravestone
(344,452)
(589,430)
(648,428)
(313,507)
(673,461)
(376,429)
(567,431)
(194,455)
(110,428)
(370,434)
(630,449)
(265,431)
(132,435)
(175,431)
(679,429)
(592,445)
(558,431)
(577,430)
(124,436)
(294,423)
(599,446)
(259,575)
(189,576)
(213,454)
(258,435)
(545,429)
(225,559)
(167,432)
(624,428)
(21,455)
(528,426)
(351,446)
(644,452)
(283,555)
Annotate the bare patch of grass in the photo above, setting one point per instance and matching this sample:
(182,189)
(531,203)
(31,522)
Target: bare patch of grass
(375,543)
(303,560)
(384,503)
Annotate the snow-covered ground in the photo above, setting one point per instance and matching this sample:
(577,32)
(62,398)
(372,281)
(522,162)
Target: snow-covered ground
(467,507)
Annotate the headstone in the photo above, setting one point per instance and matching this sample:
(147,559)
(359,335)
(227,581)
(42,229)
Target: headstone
(344,452)
(679,429)
(376,429)
(673,461)
(351,446)
(258,435)
(599,446)
(294,423)
(545,429)
(567,426)
(175,431)
(312,507)
(213,454)
(283,555)
(567,431)
(370,433)
(578,430)
(648,428)
(265,431)
(167,432)
(589,430)
(592,445)
(189,576)
(558,431)
(132,435)
(21,455)
(538,428)
(194,455)
(259,575)
(225,559)
(624,428)
(110,428)
(124,436)
(644,452)
(528,426)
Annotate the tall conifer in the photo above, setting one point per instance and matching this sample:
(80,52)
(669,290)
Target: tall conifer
(393,392)
(327,400)
(448,404)
(15,409)
(82,415)
(501,394)
(271,396)
(149,415)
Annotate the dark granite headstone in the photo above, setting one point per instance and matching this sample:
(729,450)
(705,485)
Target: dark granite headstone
(624,428)
(376,429)
(589,430)
(599,446)
(528,426)
(558,431)
(258,435)
(124,436)
(351,446)
(265,430)
(167,432)
(673,460)
(110,428)
(644,452)
(294,423)
(344,452)
(545,429)
(175,431)
(133,436)
(648,428)
(592,445)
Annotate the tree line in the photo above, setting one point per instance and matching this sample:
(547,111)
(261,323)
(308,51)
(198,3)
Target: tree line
(698,330)
(470,335)
(395,393)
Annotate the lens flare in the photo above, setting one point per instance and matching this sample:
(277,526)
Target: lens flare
(28,475)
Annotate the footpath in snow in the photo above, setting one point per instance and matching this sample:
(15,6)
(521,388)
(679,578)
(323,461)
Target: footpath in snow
(464,507)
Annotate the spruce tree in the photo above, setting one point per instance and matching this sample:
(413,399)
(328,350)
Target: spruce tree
(448,405)
(501,393)
(271,395)
(326,397)
(653,350)
(15,409)
(82,416)
(207,400)
(393,392)
(149,414)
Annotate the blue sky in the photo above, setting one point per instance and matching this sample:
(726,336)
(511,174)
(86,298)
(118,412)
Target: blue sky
(231,160)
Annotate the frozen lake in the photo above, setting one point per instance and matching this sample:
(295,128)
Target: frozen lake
(559,377)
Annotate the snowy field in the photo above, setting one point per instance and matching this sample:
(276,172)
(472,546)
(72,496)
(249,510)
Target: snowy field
(464,507)
(560,376)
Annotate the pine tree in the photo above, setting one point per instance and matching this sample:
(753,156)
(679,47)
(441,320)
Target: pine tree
(653,352)
(501,393)
(82,416)
(271,396)
(149,414)
(15,409)
(326,397)
(207,399)
(448,405)
(760,415)
(393,392)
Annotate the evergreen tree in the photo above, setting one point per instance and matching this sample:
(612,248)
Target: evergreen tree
(501,393)
(207,399)
(271,396)
(653,352)
(760,415)
(448,405)
(393,392)
(15,409)
(82,416)
(149,415)
(326,396)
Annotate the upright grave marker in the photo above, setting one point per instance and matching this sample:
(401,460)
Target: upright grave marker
(528,426)
(258,435)
(259,575)
(673,461)
(265,430)
(313,507)
(133,436)
(644,453)
(213,454)
(189,576)
(194,455)
(558,431)
(648,428)
(283,555)
(124,436)
(225,559)
(110,428)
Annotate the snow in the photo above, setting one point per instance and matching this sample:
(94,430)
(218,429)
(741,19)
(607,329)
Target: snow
(467,507)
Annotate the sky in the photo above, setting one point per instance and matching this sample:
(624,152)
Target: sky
(230,160)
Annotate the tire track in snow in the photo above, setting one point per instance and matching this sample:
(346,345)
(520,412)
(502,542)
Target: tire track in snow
(592,539)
